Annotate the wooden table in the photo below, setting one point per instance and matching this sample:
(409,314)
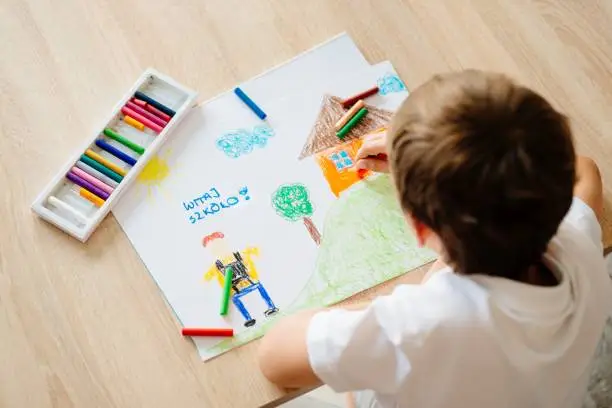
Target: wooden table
(85,325)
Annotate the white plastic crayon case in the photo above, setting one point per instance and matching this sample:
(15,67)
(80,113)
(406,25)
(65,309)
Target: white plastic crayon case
(111,161)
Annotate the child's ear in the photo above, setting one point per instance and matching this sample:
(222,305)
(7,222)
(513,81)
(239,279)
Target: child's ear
(420,230)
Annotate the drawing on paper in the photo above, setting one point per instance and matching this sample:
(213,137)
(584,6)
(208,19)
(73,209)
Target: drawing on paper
(153,174)
(239,142)
(264,161)
(212,202)
(390,83)
(291,201)
(245,278)
(338,166)
(336,157)
(376,251)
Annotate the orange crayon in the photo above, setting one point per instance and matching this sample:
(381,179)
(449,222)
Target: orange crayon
(134,123)
(97,201)
(361,173)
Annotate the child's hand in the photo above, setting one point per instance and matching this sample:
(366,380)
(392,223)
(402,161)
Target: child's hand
(373,153)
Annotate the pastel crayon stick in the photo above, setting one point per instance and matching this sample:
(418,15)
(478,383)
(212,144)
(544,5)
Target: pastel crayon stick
(145,121)
(349,114)
(361,173)
(115,152)
(57,203)
(207,332)
(96,182)
(124,141)
(87,185)
(150,108)
(379,156)
(249,102)
(101,168)
(88,195)
(134,123)
(146,114)
(348,102)
(157,112)
(351,123)
(109,165)
(151,101)
(227,289)
(95,173)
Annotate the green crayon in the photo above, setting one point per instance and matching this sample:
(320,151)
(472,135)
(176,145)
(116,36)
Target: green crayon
(128,143)
(101,168)
(227,289)
(351,123)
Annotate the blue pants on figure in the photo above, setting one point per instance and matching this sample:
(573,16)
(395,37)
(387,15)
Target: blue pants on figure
(243,310)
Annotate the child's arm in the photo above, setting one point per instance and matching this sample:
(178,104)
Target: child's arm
(283,356)
(586,211)
(588,187)
(358,347)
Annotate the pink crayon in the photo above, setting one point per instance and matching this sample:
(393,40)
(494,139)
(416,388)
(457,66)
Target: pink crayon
(88,177)
(152,109)
(145,121)
(146,114)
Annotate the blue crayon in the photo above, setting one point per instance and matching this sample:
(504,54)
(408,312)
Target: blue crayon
(249,102)
(115,152)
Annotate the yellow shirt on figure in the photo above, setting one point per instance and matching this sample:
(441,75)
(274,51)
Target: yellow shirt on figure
(249,263)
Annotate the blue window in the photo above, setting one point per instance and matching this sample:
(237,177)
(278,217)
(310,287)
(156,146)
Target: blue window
(341,160)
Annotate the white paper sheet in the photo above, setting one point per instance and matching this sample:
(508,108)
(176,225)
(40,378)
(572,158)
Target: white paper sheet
(192,171)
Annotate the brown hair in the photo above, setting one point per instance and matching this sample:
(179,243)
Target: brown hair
(486,164)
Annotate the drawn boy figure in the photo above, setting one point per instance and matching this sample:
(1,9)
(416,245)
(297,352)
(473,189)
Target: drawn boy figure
(245,278)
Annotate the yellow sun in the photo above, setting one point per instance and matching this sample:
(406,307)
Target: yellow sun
(153,175)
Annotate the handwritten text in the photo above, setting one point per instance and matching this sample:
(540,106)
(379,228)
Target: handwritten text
(213,202)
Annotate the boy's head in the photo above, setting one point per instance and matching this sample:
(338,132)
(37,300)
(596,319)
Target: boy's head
(486,167)
(216,244)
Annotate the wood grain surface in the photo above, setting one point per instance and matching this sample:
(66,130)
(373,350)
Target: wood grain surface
(85,325)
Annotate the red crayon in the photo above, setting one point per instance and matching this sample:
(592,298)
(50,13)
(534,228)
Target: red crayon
(348,102)
(381,156)
(361,173)
(210,332)
(152,109)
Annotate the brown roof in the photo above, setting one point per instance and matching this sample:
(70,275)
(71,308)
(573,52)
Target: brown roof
(323,134)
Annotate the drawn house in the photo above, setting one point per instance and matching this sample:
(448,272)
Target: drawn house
(336,157)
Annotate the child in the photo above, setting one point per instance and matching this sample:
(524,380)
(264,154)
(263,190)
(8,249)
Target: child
(511,313)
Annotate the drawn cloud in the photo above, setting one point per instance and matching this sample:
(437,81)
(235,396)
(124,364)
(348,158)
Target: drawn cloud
(242,141)
(390,83)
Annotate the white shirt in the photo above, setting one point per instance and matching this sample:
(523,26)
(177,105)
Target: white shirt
(476,341)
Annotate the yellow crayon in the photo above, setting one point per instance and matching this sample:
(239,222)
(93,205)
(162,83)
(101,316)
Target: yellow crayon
(111,166)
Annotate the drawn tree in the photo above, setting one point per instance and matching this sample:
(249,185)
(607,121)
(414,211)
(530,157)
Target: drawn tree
(291,202)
